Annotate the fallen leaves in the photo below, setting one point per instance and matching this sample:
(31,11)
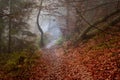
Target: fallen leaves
(84,62)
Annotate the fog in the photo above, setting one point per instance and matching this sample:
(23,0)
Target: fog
(51,29)
(49,25)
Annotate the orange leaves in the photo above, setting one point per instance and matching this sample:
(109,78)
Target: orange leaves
(84,62)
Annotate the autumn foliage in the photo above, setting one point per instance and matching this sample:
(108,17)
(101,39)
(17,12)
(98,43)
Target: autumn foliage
(95,59)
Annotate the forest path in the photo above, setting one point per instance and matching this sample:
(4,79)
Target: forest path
(55,65)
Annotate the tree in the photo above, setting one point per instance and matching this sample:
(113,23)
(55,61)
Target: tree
(14,22)
(90,15)
(39,27)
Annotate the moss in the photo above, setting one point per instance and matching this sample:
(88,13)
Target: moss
(60,41)
(15,64)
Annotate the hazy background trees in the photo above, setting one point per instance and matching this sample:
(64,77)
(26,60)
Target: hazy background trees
(73,18)
(94,15)
(13,25)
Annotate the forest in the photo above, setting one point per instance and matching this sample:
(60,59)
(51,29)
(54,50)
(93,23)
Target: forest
(59,39)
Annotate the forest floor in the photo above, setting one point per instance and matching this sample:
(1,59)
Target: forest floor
(54,65)
(97,59)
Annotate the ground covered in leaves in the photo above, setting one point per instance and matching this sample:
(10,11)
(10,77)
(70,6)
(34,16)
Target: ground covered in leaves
(96,59)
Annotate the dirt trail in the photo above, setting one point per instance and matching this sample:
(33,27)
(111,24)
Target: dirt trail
(54,65)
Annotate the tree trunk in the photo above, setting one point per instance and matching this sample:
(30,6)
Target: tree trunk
(9,33)
(39,27)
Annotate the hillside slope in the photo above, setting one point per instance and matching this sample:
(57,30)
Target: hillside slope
(97,59)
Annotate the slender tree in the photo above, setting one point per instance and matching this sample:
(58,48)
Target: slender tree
(38,24)
(10,25)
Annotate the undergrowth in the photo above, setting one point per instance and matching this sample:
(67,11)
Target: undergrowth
(16,64)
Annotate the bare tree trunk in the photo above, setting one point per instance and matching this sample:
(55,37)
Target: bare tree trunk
(0,43)
(1,34)
(39,27)
(67,18)
(9,33)
(118,4)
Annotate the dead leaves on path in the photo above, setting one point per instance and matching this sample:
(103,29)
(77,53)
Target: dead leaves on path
(98,59)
